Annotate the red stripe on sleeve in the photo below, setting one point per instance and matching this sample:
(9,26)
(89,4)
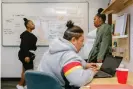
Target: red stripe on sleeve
(70,65)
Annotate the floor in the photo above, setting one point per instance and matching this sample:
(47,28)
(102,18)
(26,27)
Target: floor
(9,84)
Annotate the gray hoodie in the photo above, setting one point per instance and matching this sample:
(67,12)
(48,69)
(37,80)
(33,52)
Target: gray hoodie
(60,53)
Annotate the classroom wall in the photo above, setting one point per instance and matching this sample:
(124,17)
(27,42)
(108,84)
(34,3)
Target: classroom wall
(128,10)
(11,66)
(0,41)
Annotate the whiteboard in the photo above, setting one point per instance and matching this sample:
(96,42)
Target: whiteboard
(49,19)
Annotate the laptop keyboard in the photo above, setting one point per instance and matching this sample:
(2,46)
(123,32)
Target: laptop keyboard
(101,74)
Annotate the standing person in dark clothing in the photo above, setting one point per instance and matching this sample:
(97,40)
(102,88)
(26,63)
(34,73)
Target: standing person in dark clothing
(28,43)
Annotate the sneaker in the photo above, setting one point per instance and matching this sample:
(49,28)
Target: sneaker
(25,87)
(19,87)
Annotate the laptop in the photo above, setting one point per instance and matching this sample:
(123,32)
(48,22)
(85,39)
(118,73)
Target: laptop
(108,67)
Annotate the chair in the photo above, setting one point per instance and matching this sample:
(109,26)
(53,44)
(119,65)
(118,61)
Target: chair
(39,80)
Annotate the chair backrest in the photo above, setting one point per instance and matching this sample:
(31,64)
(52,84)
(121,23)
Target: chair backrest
(39,80)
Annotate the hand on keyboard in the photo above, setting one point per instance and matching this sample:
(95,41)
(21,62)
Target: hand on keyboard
(91,65)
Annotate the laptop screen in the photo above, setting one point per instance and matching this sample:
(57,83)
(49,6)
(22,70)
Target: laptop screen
(110,64)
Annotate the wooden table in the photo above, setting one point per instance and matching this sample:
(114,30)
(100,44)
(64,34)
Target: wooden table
(109,83)
(112,80)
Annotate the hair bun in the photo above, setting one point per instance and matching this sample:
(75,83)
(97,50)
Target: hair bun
(100,10)
(25,19)
(70,24)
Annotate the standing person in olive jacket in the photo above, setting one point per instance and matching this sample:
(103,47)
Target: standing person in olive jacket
(103,39)
(28,43)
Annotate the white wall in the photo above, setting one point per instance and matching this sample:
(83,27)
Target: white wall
(0,42)
(129,10)
(11,66)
